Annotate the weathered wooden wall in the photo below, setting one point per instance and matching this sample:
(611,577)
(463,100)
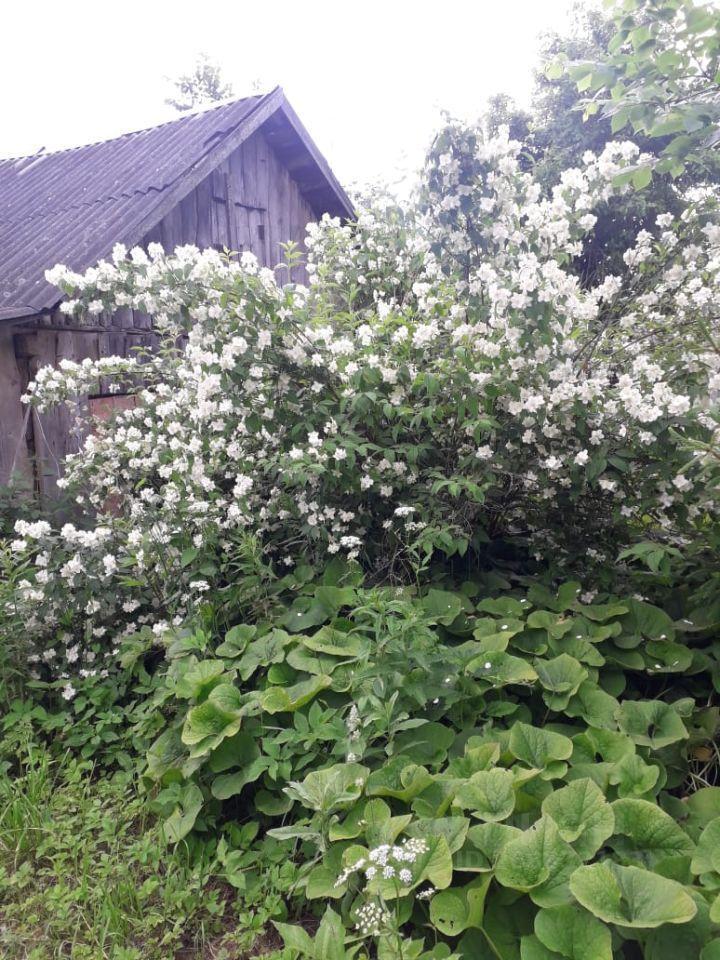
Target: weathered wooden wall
(46,340)
(248,203)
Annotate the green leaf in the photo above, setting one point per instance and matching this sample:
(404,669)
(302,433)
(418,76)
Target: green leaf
(561,677)
(230,784)
(647,621)
(540,863)
(633,777)
(199,680)
(573,933)
(333,788)
(453,829)
(651,723)
(442,606)
(485,843)
(456,909)
(706,857)
(629,896)
(583,816)
(488,794)
(182,819)
(210,722)
(532,949)
(261,653)
(166,754)
(236,640)
(642,177)
(335,643)
(295,938)
(504,607)
(594,705)
(425,743)
(538,747)
(499,668)
(330,938)
(288,699)
(399,778)
(647,831)
(237,751)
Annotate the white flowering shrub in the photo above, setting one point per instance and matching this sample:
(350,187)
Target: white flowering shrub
(444,382)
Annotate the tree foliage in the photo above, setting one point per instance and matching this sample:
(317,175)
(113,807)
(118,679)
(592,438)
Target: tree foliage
(203,85)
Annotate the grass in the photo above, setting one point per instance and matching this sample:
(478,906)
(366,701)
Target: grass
(85,874)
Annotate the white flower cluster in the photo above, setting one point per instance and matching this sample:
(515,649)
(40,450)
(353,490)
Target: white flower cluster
(388,862)
(371,919)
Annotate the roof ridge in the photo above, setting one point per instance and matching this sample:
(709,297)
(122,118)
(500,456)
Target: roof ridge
(205,108)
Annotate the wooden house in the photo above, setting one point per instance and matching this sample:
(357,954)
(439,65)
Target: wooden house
(242,175)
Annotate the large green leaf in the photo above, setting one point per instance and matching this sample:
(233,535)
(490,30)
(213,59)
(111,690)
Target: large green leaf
(182,819)
(648,621)
(561,678)
(425,743)
(651,723)
(441,606)
(504,925)
(454,829)
(633,777)
(573,933)
(296,938)
(456,909)
(335,643)
(289,699)
(706,857)
(629,896)
(485,843)
(644,830)
(684,940)
(594,705)
(236,640)
(261,653)
(207,724)
(499,668)
(540,863)
(583,816)
(197,682)
(532,949)
(330,938)
(399,778)
(237,751)
(333,788)
(538,748)
(488,794)
(230,784)
(166,754)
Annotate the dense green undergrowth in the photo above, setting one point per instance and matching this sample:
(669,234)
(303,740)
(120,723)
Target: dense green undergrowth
(475,769)
(85,872)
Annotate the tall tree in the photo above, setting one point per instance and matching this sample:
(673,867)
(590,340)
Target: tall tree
(660,78)
(560,129)
(203,85)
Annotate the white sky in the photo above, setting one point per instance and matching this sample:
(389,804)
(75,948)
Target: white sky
(368,78)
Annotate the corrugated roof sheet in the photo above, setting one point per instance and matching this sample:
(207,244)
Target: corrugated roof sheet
(71,206)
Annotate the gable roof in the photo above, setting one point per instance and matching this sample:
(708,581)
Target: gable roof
(72,206)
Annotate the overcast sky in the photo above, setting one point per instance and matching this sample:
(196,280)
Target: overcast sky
(367,77)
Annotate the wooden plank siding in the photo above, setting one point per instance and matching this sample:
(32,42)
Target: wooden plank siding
(249,202)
